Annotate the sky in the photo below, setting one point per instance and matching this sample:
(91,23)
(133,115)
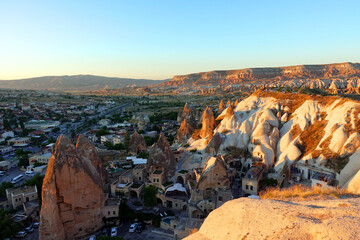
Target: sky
(157,39)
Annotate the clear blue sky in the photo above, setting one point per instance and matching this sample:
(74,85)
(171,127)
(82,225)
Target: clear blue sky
(158,39)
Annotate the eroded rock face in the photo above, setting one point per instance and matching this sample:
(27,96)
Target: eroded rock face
(137,143)
(72,194)
(214,144)
(161,156)
(184,132)
(246,218)
(222,106)
(186,113)
(208,123)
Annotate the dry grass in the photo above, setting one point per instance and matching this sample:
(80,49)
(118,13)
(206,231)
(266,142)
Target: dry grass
(295,131)
(295,100)
(300,192)
(312,136)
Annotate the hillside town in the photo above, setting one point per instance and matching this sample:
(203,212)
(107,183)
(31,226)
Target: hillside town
(156,174)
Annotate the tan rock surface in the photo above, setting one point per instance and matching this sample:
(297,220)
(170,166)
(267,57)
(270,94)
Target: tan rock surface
(249,219)
(221,107)
(137,143)
(184,132)
(208,123)
(72,195)
(160,155)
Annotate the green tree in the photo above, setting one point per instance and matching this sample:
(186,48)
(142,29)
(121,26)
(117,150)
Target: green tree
(6,124)
(149,196)
(3,186)
(8,227)
(36,180)
(102,131)
(126,139)
(125,212)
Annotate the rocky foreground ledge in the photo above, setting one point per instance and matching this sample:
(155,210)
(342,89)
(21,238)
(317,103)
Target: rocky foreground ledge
(247,218)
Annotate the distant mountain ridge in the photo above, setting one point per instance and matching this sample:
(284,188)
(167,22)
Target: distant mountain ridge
(75,83)
(250,75)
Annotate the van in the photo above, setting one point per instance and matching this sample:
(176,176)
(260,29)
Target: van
(17,179)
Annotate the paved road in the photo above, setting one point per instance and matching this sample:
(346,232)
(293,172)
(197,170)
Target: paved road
(13,172)
(147,234)
(32,236)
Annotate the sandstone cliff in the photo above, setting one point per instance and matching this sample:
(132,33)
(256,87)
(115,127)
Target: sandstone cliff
(72,194)
(247,218)
(267,74)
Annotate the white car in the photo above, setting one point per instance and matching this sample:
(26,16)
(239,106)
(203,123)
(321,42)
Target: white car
(133,227)
(30,173)
(20,234)
(114,232)
(2,173)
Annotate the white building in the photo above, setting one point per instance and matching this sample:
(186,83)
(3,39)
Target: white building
(8,134)
(5,149)
(41,124)
(19,142)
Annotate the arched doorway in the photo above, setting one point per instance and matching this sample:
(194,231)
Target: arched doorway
(180,179)
(133,194)
(196,214)
(159,201)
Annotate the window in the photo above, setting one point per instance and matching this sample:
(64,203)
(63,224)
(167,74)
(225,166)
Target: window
(109,213)
(157,180)
(154,179)
(218,183)
(251,188)
(114,212)
(220,198)
(247,186)
(139,178)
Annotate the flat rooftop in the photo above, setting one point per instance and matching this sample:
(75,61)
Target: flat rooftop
(22,190)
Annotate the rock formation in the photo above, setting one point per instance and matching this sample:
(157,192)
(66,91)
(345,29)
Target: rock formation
(137,143)
(252,219)
(268,75)
(184,132)
(208,123)
(186,113)
(214,144)
(221,107)
(161,156)
(72,194)
(314,131)
(215,174)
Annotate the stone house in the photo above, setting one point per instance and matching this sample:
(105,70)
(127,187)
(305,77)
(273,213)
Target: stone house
(20,195)
(251,180)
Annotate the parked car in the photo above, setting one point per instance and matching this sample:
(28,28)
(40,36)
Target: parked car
(133,227)
(92,237)
(28,229)
(2,173)
(140,227)
(114,232)
(36,225)
(30,173)
(20,234)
